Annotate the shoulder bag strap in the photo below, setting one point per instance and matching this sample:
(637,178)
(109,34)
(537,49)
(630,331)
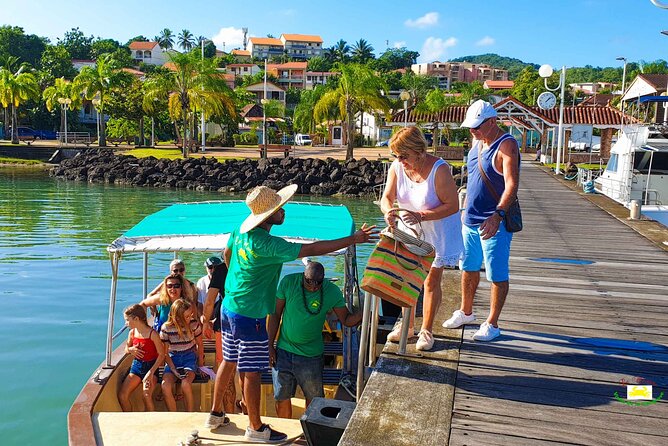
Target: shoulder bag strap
(484,176)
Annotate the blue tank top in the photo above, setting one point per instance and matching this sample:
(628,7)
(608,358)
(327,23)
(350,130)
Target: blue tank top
(480,203)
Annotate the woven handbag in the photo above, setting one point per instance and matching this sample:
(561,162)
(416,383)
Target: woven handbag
(395,273)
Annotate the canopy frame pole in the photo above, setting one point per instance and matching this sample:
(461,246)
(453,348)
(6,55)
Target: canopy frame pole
(364,343)
(115,258)
(145,277)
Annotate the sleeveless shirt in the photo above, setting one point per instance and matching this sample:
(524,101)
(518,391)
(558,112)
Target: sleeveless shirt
(480,203)
(445,234)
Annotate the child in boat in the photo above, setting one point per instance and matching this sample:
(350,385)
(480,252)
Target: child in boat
(145,345)
(170,290)
(182,335)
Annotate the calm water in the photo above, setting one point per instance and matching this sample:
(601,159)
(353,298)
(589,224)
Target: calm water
(54,288)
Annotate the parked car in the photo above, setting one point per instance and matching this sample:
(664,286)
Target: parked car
(303,139)
(382,143)
(30,132)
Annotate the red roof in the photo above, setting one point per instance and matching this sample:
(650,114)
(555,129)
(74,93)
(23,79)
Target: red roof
(143,45)
(241,53)
(134,72)
(266,41)
(499,85)
(286,66)
(302,38)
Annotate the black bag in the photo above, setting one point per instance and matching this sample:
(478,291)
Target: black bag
(513,218)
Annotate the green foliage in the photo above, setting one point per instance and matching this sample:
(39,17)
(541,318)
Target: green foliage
(125,101)
(26,47)
(395,58)
(392,79)
(77,44)
(138,38)
(186,40)
(528,85)
(418,85)
(165,39)
(257,78)
(102,46)
(56,62)
(514,66)
(292,96)
(362,52)
(122,128)
(249,138)
(319,63)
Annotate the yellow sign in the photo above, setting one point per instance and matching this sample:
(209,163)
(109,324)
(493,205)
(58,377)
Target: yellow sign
(638,392)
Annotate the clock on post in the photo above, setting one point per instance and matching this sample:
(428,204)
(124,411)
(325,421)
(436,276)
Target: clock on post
(546,100)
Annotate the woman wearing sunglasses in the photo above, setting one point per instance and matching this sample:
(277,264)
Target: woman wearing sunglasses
(189,292)
(169,291)
(422,183)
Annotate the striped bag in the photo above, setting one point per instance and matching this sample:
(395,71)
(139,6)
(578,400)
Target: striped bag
(395,274)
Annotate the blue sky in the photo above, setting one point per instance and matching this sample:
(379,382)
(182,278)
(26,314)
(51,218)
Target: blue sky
(559,32)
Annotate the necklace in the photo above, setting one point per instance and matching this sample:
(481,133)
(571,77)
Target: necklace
(315,304)
(415,172)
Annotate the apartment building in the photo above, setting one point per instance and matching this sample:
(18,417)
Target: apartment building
(243,69)
(265,47)
(302,46)
(449,72)
(291,74)
(314,78)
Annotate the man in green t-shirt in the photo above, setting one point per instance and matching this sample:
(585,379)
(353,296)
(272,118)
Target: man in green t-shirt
(302,303)
(255,258)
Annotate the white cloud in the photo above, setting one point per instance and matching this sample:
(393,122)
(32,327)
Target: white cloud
(427,20)
(399,44)
(486,41)
(434,48)
(229,38)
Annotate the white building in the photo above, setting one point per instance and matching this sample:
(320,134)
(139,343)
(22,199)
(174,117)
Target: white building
(148,52)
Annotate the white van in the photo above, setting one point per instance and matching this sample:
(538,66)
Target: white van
(303,139)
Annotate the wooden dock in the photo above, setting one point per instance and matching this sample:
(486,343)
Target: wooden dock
(572,336)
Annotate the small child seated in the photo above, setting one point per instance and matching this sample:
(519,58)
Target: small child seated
(144,344)
(182,335)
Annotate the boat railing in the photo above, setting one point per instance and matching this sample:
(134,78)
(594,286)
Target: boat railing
(615,189)
(587,175)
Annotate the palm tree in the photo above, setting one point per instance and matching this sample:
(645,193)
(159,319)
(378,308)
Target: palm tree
(362,52)
(341,50)
(165,39)
(303,115)
(186,40)
(359,90)
(97,82)
(16,88)
(61,89)
(194,86)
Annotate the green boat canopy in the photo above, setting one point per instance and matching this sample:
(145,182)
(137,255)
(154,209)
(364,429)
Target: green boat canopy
(206,226)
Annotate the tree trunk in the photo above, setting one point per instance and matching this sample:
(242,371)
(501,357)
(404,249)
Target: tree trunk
(15,128)
(184,138)
(351,133)
(142,140)
(4,122)
(434,140)
(103,132)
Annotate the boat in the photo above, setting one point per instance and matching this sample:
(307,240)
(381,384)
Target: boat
(637,172)
(96,416)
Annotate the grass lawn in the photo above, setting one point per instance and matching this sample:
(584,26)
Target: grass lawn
(4,160)
(170,154)
(592,166)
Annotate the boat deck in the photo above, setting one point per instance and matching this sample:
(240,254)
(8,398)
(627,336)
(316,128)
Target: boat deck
(571,333)
(170,428)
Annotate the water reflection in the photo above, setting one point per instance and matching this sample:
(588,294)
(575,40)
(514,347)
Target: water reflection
(54,283)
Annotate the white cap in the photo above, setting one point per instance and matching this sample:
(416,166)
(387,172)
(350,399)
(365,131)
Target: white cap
(477,113)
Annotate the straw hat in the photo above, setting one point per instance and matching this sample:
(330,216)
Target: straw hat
(263,202)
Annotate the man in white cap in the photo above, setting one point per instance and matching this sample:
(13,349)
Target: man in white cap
(495,153)
(255,258)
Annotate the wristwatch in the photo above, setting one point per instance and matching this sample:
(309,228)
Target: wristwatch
(501,213)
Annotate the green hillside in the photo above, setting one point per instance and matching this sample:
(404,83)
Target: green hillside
(514,66)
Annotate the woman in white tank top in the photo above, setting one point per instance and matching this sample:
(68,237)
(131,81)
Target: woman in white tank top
(421,182)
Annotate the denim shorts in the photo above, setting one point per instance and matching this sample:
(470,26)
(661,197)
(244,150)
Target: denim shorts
(245,341)
(140,368)
(183,360)
(495,252)
(292,370)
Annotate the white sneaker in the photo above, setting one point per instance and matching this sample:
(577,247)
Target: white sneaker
(395,334)
(425,341)
(486,332)
(458,319)
(214,421)
(265,435)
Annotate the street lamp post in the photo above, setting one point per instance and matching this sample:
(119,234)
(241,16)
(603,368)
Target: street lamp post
(203,123)
(545,72)
(65,103)
(264,102)
(405,96)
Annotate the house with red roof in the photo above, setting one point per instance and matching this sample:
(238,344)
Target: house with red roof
(148,52)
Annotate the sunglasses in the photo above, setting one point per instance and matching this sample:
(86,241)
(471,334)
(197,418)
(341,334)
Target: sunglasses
(178,270)
(312,282)
(479,125)
(400,157)
(173,286)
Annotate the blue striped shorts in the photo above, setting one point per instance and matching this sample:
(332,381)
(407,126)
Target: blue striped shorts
(245,341)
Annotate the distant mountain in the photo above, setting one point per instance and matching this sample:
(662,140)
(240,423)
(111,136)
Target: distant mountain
(514,66)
